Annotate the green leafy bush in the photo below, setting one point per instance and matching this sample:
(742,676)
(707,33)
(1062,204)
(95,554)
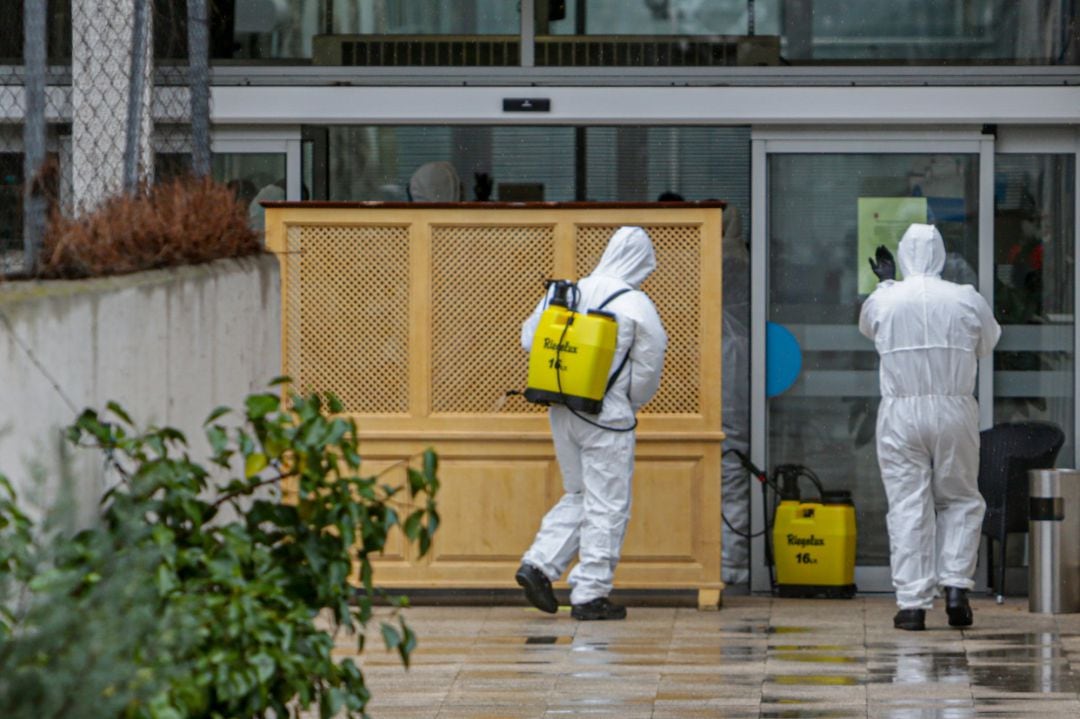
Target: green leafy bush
(168,609)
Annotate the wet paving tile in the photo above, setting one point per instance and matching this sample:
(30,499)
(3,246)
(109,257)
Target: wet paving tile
(757,657)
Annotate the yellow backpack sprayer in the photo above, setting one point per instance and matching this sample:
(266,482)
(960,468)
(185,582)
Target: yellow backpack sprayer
(812,544)
(572,353)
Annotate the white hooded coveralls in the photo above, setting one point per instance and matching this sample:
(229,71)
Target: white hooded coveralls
(597,464)
(929,334)
(735,555)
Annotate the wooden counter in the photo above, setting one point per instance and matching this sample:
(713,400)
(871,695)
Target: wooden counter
(411,314)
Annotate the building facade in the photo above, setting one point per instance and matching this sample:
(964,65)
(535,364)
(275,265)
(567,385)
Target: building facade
(822,122)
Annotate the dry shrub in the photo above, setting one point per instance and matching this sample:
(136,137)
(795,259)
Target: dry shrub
(179,222)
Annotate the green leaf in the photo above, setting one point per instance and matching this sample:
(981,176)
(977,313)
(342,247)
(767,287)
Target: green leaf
(431,464)
(412,524)
(416,482)
(119,412)
(264,666)
(390,636)
(260,405)
(218,438)
(334,404)
(216,414)
(280,380)
(254,463)
(166,580)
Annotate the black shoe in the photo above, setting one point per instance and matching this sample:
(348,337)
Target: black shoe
(537,588)
(599,608)
(912,620)
(957,607)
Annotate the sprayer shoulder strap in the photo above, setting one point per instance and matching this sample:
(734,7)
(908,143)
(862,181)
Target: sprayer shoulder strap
(613,295)
(615,375)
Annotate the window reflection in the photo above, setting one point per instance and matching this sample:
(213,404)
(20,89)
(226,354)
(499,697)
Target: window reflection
(1034,271)
(827,419)
(345,32)
(11,174)
(918,32)
(534,163)
(58,29)
(641,33)
(255,177)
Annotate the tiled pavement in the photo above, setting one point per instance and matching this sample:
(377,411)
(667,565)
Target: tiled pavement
(756,657)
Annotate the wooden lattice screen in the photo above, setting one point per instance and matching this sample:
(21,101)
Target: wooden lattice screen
(412,315)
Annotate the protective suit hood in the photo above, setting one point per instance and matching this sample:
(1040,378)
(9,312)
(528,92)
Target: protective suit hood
(436,182)
(921,251)
(629,257)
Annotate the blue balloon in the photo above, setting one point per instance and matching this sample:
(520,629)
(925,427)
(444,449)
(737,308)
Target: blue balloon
(783,359)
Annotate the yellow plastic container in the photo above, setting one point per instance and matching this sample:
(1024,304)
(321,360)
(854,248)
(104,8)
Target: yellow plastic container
(571,357)
(814,549)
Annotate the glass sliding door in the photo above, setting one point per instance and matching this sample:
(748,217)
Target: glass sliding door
(825,206)
(1035,290)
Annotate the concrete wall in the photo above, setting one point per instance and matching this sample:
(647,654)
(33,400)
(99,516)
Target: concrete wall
(168,345)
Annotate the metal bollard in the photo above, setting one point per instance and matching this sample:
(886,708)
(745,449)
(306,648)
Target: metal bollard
(1054,527)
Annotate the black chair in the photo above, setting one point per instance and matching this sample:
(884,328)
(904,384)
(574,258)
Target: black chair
(1007,451)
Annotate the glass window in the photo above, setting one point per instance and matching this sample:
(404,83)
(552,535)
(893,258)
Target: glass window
(350,32)
(641,33)
(255,177)
(784,32)
(11,184)
(58,31)
(1034,263)
(534,163)
(924,32)
(823,209)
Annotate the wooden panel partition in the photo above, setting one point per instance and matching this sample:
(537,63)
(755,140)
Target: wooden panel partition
(411,313)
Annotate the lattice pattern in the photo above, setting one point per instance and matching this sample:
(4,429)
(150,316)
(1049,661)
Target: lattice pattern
(351,333)
(485,282)
(675,290)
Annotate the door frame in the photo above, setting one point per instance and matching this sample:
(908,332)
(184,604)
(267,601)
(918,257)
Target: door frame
(1055,141)
(238,139)
(832,140)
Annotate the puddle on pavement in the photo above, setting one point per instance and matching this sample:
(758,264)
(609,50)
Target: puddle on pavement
(1044,679)
(783,629)
(894,712)
(1045,652)
(773,711)
(1023,638)
(752,628)
(815,658)
(814,680)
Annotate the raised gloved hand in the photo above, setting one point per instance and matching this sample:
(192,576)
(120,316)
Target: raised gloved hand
(885,267)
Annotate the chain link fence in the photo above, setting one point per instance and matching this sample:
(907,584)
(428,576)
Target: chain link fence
(96,98)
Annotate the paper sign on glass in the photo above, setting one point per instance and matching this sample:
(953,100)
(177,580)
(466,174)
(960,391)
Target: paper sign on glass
(882,221)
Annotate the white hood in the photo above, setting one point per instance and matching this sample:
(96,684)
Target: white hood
(436,182)
(921,251)
(629,257)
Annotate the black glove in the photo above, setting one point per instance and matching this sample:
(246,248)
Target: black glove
(482,188)
(885,267)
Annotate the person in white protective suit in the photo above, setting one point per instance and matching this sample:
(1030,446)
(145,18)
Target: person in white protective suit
(735,564)
(929,334)
(436,182)
(597,464)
